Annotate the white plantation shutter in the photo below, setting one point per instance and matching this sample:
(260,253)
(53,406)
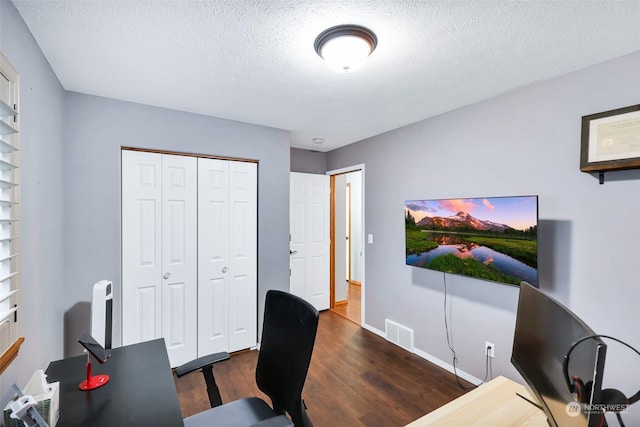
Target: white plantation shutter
(9,214)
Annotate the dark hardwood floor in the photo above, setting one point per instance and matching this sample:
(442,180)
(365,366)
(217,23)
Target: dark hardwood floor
(356,378)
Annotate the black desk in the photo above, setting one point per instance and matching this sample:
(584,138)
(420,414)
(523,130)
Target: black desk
(140,391)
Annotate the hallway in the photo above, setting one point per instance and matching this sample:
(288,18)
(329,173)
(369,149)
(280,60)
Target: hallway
(351,309)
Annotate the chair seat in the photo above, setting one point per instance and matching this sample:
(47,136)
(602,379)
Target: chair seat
(239,413)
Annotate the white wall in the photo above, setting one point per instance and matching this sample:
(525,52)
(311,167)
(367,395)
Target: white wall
(524,142)
(42,198)
(357,251)
(340,232)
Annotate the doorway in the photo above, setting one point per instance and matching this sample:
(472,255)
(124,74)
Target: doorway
(347,243)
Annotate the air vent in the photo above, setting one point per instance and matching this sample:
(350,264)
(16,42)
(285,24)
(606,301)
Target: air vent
(399,335)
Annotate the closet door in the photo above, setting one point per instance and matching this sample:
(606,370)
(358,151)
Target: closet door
(227,253)
(213,257)
(243,249)
(159,251)
(179,257)
(141,247)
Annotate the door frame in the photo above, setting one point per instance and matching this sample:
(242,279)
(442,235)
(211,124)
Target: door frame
(332,261)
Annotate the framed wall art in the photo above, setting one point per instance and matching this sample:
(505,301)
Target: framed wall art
(611,140)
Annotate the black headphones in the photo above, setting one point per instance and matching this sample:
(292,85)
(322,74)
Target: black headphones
(582,391)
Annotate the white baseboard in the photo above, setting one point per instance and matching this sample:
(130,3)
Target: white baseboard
(374,330)
(444,365)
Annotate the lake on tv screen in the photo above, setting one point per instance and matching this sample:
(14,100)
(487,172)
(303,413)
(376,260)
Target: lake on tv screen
(487,238)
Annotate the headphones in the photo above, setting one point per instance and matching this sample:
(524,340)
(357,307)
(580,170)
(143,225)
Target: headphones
(582,391)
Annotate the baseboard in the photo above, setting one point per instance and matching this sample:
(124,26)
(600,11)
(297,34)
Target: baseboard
(343,302)
(354,283)
(372,329)
(444,365)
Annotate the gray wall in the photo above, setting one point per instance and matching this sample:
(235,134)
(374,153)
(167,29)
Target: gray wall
(96,129)
(308,161)
(524,142)
(42,153)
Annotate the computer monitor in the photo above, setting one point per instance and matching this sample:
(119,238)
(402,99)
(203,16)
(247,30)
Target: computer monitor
(545,333)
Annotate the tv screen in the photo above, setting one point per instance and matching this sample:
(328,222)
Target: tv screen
(545,332)
(490,238)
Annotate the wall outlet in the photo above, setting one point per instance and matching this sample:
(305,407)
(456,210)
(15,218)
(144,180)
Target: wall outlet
(490,349)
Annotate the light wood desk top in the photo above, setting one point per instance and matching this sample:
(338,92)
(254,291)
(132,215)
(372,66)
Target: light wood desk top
(494,404)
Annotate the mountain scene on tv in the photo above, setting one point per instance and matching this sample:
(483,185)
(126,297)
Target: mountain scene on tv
(493,238)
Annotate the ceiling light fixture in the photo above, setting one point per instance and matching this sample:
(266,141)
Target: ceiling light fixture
(318,140)
(345,47)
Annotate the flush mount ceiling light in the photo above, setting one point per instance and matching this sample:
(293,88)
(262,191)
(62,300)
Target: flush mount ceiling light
(345,47)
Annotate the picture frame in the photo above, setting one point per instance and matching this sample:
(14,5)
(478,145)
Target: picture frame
(611,140)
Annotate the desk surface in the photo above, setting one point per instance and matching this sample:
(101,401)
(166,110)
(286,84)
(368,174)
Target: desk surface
(140,391)
(492,404)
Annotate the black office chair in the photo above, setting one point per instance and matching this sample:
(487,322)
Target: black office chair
(288,335)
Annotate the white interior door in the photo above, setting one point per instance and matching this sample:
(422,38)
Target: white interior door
(141,247)
(213,257)
(243,250)
(159,260)
(179,257)
(309,238)
(227,251)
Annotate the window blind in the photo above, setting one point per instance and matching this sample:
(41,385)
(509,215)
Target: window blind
(9,213)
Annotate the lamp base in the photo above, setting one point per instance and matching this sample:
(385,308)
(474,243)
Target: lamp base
(94,382)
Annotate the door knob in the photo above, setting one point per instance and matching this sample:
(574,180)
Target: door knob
(292,252)
(224,269)
(167,275)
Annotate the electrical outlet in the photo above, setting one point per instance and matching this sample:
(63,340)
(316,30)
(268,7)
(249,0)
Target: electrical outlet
(490,349)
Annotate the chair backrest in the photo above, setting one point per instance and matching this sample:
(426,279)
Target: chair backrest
(288,335)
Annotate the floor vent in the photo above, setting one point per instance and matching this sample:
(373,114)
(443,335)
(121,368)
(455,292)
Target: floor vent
(399,335)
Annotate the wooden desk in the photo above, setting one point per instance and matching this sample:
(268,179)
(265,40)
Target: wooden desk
(140,391)
(494,404)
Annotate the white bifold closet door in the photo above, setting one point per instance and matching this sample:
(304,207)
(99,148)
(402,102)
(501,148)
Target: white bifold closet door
(159,251)
(227,255)
(189,253)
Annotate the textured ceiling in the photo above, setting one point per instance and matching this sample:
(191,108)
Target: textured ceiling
(254,61)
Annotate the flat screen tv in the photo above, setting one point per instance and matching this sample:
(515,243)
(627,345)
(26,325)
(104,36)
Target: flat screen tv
(490,238)
(544,335)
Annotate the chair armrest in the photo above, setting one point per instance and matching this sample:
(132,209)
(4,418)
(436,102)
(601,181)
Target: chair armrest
(279,421)
(201,362)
